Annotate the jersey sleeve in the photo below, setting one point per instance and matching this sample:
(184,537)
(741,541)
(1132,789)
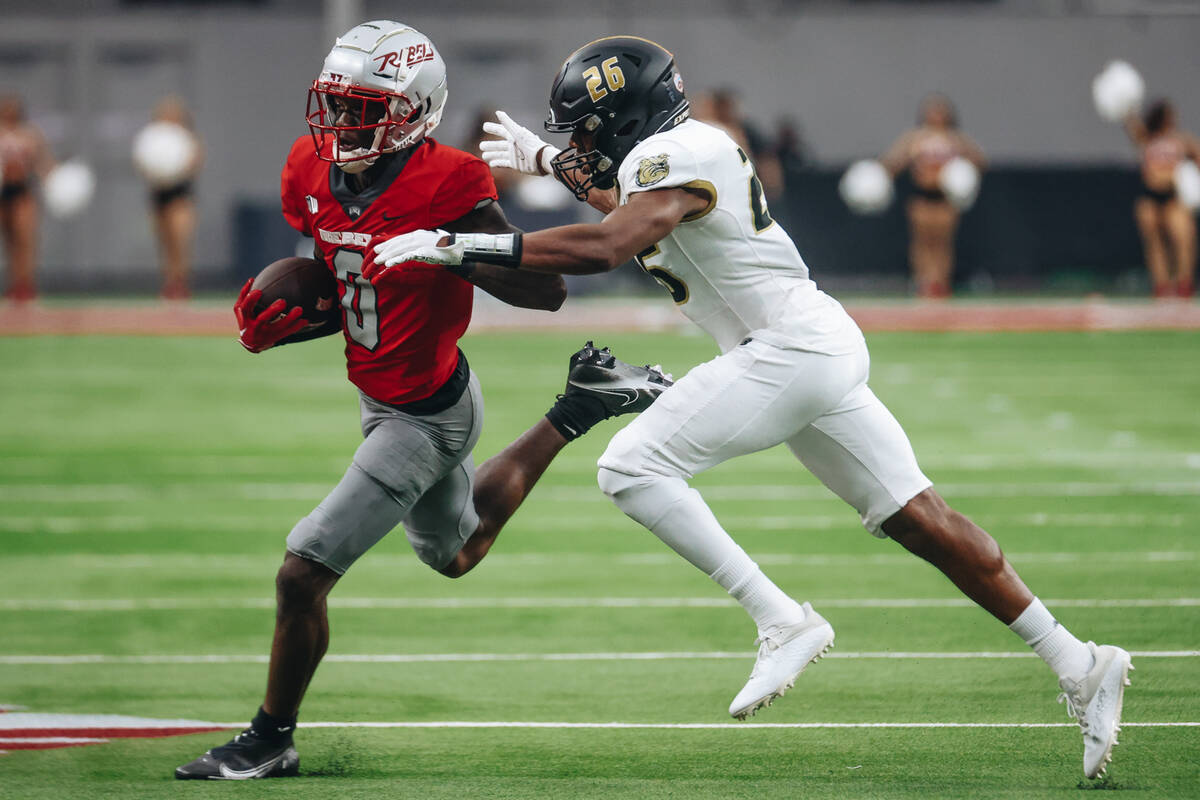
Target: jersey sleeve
(659,163)
(291,195)
(462,191)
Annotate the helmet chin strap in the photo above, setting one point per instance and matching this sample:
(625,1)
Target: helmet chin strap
(358,164)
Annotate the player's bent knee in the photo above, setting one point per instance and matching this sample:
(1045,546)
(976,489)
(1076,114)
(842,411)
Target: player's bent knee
(621,486)
(922,525)
(643,498)
(301,584)
(612,482)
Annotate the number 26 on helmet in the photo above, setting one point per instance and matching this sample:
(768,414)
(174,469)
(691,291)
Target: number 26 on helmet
(610,95)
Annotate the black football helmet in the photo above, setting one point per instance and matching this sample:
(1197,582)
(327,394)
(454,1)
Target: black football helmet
(612,94)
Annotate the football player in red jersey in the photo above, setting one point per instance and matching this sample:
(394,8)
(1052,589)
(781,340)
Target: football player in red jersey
(370,172)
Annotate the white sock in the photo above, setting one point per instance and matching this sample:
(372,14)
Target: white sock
(678,515)
(765,602)
(1056,645)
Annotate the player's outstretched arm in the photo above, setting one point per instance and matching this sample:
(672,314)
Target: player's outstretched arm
(588,249)
(524,290)
(585,249)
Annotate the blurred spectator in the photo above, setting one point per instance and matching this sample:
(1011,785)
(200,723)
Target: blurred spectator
(169,155)
(24,153)
(721,107)
(933,219)
(790,147)
(1163,220)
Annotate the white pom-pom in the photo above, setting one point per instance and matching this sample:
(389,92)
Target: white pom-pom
(1118,91)
(866,187)
(543,193)
(959,179)
(164,152)
(1187,184)
(69,188)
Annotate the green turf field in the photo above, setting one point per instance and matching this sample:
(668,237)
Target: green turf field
(146,486)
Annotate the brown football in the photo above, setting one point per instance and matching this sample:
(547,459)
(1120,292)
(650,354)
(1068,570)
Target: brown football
(303,282)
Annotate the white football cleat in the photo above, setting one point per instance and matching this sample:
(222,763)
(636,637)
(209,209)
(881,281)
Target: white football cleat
(1094,700)
(782,657)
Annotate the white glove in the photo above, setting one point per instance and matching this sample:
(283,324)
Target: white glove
(418,246)
(518,148)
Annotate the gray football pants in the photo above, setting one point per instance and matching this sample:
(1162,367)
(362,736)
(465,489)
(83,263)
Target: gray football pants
(410,469)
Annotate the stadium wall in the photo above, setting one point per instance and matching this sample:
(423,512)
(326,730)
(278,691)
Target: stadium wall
(851,80)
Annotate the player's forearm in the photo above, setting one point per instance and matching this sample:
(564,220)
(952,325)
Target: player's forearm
(517,288)
(330,327)
(585,249)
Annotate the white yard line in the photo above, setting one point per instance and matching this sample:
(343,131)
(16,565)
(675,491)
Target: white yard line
(52,493)
(713,725)
(599,515)
(370,603)
(735,492)
(8,742)
(436,658)
(391,561)
(267,464)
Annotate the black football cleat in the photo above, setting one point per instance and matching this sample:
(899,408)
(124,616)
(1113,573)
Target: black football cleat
(245,756)
(600,386)
(622,388)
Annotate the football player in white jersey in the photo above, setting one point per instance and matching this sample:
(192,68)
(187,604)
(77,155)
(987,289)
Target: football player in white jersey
(683,199)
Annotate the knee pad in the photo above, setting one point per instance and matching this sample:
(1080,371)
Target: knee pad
(645,498)
(626,454)
(612,483)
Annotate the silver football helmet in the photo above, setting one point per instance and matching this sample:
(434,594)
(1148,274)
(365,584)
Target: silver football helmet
(381,90)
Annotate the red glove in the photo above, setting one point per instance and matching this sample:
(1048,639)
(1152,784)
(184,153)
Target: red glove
(267,329)
(371,270)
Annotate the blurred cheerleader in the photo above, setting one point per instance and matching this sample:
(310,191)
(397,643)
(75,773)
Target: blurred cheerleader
(23,154)
(1166,223)
(168,154)
(932,217)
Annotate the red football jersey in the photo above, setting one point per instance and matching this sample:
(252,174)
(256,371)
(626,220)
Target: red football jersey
(402,333)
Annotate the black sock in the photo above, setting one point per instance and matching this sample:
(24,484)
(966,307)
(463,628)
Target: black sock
(573,415)
(269,727)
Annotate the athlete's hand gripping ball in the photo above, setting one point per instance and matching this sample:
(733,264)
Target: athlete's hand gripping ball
(518,148)
(267,328)
(423,246)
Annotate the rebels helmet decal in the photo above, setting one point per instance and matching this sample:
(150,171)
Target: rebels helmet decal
(610,95)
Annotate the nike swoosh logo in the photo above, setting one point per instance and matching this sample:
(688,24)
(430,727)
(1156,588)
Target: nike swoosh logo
(386,218)
(253,772)
(629,395)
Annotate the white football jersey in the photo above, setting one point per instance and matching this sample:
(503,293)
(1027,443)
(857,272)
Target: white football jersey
(729,267)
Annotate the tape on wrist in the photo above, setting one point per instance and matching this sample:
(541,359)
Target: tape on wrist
(501,249)
(545,158)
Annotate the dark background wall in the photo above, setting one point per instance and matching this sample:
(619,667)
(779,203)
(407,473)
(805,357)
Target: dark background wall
(849,73)
(1065,228)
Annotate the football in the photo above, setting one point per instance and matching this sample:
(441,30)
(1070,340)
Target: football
(303,282)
